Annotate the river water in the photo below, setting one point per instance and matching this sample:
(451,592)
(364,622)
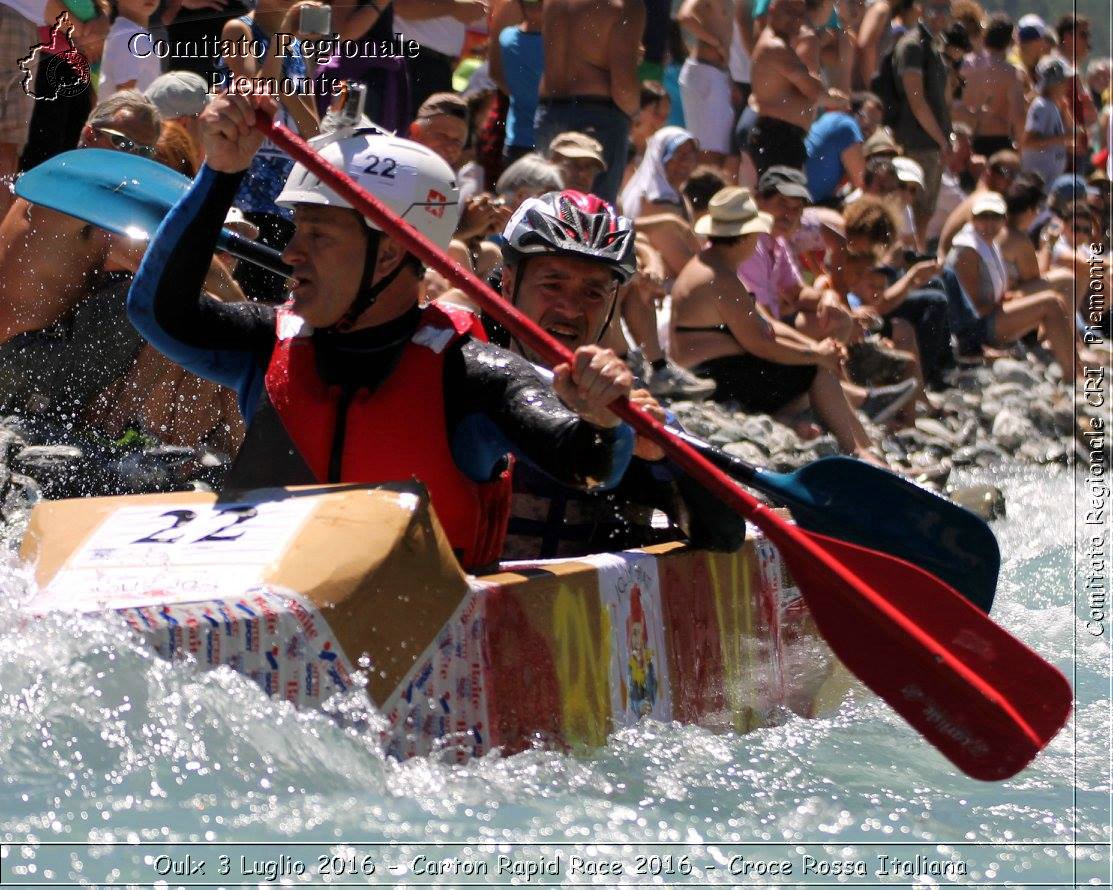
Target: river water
(112,761)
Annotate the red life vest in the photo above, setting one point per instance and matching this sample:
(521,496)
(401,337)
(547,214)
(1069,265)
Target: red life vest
(395,433)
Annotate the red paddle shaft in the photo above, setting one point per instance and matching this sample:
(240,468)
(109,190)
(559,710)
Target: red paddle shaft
(795,544)
(507,315)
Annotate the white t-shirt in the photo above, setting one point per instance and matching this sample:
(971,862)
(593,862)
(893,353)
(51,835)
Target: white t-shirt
(443,34)
(739,63)
(1044,119)
(123,60)
(32,10)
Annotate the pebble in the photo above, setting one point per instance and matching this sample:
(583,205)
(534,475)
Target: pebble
(986,501)
(1012,429)
(747,451)
(1012,371)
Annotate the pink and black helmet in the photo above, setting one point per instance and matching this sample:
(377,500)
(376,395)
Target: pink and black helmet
(571,224)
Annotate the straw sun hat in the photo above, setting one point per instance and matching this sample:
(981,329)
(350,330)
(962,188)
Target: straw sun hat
(732,212)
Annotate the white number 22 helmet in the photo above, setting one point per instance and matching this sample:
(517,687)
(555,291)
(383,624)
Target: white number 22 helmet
(409,178)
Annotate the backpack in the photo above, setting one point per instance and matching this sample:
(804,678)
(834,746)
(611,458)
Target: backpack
(887,88)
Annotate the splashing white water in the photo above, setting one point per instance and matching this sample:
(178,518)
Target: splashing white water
(102,741)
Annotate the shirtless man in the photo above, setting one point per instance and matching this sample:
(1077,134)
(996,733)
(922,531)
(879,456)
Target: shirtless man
(57,268)
(590,83)
(704,79)
(786,94)
(997,175)
(995,91)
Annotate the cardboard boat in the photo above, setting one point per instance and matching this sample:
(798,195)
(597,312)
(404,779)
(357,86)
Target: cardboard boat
(297,588)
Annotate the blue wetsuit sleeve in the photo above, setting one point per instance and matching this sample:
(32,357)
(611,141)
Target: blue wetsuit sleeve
(228,343)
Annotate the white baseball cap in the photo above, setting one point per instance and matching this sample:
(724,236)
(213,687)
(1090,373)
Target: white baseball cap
(909,171)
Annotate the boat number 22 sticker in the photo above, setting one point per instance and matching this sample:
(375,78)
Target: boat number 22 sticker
(181,523)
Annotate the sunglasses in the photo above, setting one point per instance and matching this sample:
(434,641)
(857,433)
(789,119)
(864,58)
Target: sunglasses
(126,143)
(990,217)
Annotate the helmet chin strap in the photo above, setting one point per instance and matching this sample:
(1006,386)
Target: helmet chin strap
(368,292)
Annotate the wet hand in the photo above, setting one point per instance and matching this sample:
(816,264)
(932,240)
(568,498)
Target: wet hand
(595,378)
(645,448)
(228,132)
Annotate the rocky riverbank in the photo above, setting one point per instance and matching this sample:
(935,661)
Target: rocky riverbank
(1010,410)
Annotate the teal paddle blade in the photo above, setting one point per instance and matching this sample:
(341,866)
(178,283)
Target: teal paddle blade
(865,505)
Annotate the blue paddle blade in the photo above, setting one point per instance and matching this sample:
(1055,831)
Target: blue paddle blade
(120,192)
(125,194)
(871,507)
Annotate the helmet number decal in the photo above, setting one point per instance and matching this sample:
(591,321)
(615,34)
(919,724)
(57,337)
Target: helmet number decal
(383,167)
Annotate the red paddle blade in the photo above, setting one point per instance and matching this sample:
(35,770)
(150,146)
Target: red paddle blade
(984,699)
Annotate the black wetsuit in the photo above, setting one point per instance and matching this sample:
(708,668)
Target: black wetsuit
(549,520)
(495,402)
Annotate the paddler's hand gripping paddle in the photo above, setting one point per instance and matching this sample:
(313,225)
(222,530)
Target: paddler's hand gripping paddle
(979,695)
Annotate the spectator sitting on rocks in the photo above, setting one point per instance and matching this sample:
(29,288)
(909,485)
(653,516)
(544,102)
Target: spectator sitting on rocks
(654,196)
(1073,250)
(705,182)
(528,177)
(916,321)
(1031,271)
(1000,170)
(762,364)
(770,271)
(991,315)
(441,125)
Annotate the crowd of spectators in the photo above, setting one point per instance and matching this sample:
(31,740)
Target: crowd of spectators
(837,202)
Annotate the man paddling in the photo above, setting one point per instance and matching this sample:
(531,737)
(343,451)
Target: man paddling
(566,255)
(352,381)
